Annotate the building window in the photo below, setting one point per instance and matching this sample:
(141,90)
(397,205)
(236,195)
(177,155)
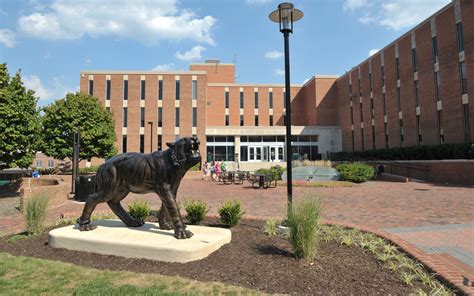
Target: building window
(256,120)
(398,100)
(176,123)
(418,130)
(361,110)
(385,128)
(241,120)
(160,141)
(142,92)
(227,120)
(124,144)
(107,109)
(256,100)
(107,93)
(270,100)
(459,37)
(372,109)
(462,67)
(160,90)
(397,62)
(401,133)
(91,87)
(352,116)
(384,106)
(383,75)
(467,134)
(362,138)
(194,117)
(227,103)
(142,143)
(416,94)
(50,163)
(39,163)
(435,49)
(373,137)
(271,120)
(142,117)
(370,81)
(195,89)
(177,89)
(352,138)
(413,59)
(360,88)
(440,127)
(220,148)
(241,100)
(125,116)
(125,89)
(437,85)
(160,117)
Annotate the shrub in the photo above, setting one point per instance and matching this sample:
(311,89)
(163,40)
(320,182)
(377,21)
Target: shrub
(356,172)
(276,171)
(196,210)
(230,213)
(270,227)
(303,220)
(35,213)
(139,209)
(89,170)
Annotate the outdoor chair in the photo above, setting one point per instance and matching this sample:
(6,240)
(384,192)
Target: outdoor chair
(269,182)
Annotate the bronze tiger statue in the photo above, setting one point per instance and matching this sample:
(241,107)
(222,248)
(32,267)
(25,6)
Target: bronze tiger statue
(160,172)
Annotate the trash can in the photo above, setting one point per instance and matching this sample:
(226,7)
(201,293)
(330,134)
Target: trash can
(85,185)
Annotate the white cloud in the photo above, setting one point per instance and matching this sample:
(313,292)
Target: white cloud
(373,51)
(7,38)
(47,94)
(279,72)
(352,5)
(190,55)
(274,54)
(258,2)
(395,14)
(88,60)
(148,21)
(163,67)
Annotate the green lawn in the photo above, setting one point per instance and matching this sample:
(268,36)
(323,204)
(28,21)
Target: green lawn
(24,275)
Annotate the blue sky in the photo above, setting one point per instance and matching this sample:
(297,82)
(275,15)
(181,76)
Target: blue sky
(51,41)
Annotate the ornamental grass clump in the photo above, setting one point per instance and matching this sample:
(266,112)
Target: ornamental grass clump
(356,172)
(139,209)
(196,211)
(35,213)
(230,213)
(303,224)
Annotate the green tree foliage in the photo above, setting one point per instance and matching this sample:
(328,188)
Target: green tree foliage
(20,122)
(96,125)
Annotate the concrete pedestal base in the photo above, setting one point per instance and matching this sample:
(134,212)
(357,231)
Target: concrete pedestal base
(112,237)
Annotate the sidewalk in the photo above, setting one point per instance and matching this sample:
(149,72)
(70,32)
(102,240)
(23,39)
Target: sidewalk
(432,222)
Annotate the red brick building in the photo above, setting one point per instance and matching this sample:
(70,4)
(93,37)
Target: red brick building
(414,91)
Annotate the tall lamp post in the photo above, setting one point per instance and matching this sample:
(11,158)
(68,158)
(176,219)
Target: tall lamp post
(151,135)
(286,15)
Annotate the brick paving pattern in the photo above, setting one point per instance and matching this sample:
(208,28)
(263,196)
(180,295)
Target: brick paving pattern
(412,215)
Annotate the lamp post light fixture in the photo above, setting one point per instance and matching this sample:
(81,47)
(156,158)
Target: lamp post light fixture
(286,15)
(151,135)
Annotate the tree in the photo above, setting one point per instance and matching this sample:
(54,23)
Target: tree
(20,122)
(96,125)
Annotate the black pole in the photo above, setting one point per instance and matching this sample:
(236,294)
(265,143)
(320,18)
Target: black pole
(73,177)
(289,174)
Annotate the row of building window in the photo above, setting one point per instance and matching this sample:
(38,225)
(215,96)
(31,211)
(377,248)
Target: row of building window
(270,100)
(256,121)
(160,117)
(39,164)
(143,89)
(462,67)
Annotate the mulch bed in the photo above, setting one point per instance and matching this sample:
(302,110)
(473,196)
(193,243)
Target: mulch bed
(251,260)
